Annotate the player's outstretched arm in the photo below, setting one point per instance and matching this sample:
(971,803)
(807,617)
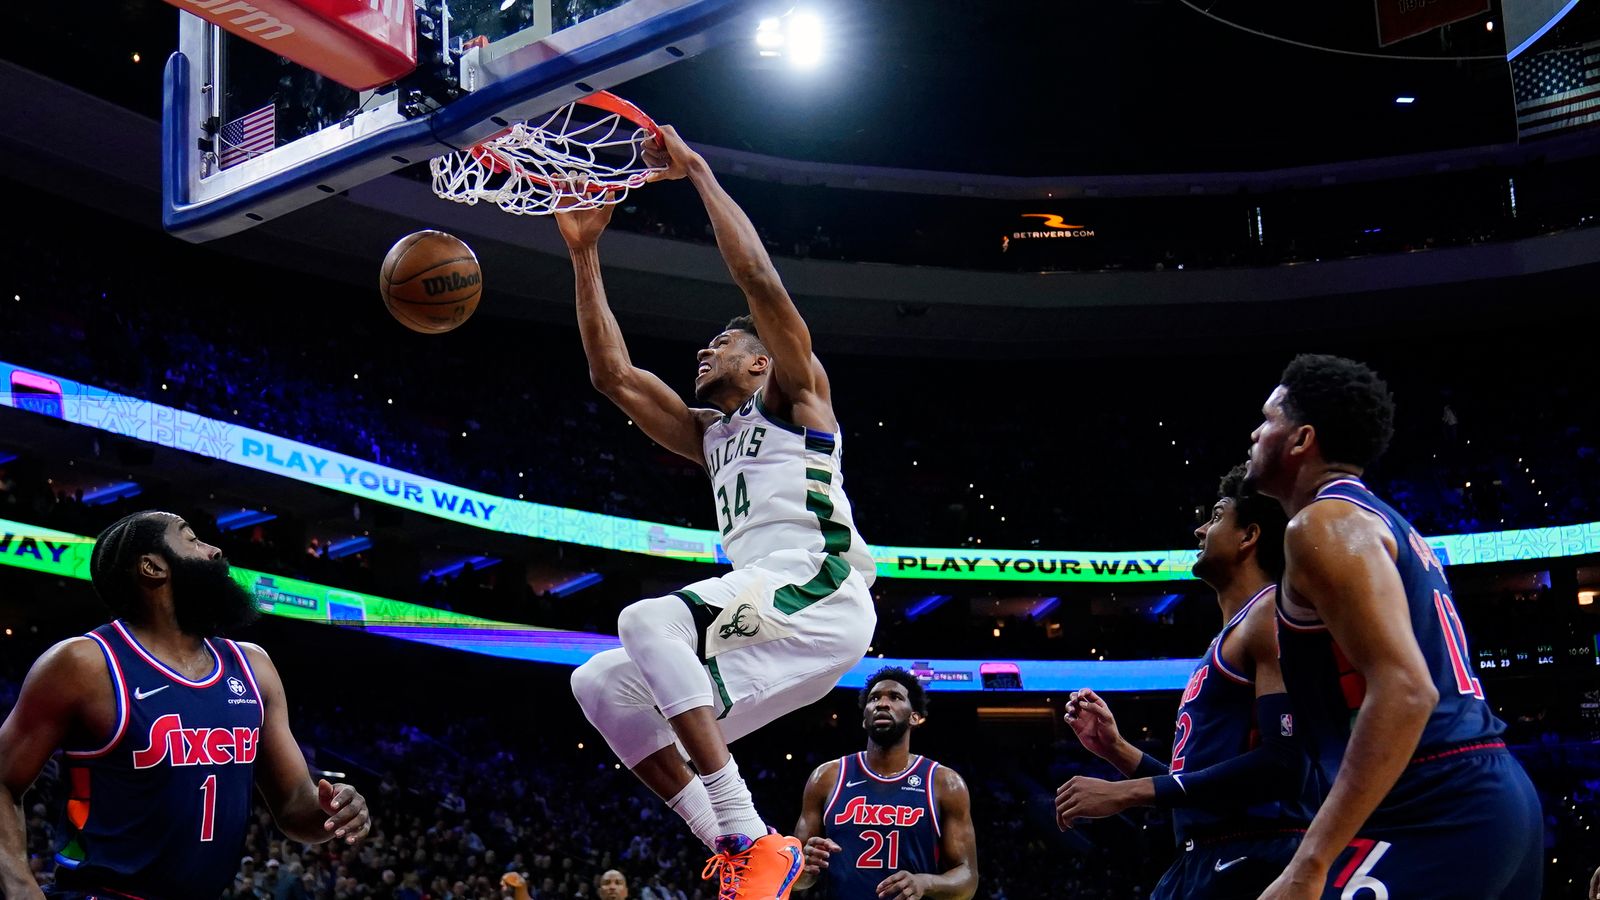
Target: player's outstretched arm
(1338,562)
(809,830)
(660,412)
(48,707)
(798,382)
(311,813)
(958,847)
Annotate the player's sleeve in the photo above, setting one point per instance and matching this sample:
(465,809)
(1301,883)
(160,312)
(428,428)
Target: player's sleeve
(1150,767)
(1275,769)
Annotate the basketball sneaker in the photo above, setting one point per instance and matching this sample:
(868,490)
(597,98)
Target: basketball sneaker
(764,869)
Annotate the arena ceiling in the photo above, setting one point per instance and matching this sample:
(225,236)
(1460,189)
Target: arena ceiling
(1019,87)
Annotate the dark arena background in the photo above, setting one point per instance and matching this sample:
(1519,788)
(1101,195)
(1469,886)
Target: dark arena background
(1054,256)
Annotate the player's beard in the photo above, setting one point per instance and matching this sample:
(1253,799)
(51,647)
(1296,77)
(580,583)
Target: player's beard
(706,392)
(206,600)
(888,735)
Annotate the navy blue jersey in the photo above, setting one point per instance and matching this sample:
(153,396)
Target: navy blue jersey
(885,825)
(159,810)
(1327,691)
(1216,723)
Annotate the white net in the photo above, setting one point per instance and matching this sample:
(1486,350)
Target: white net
(585,155)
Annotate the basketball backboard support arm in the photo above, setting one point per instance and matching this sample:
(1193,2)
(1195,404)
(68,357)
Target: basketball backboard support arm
(513,78)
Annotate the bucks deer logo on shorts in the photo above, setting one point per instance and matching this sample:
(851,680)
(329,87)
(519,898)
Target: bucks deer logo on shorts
(739,624)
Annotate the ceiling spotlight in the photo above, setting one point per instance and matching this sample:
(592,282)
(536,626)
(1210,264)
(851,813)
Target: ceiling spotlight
(1405,101)
(769,35)
(805,39)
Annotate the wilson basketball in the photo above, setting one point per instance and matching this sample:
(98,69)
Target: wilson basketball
(431,281)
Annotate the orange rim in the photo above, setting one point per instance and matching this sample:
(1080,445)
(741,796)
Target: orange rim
(604,101)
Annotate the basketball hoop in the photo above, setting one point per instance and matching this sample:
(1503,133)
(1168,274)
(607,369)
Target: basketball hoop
(584,155)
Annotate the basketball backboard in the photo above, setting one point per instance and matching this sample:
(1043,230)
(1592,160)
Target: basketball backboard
(248,135)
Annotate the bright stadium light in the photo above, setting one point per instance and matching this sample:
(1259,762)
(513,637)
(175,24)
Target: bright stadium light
(805,39)
(1404,101)
(769,34)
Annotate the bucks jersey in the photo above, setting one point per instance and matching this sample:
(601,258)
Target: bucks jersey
(884,825)
(778,486)
(160,809)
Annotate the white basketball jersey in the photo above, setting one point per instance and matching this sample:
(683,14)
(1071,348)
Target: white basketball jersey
(778,486)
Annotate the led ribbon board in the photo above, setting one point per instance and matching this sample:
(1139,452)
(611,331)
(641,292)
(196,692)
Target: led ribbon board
(95,407)
(65,555)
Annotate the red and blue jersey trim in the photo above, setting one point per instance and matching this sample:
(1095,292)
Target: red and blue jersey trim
(163,668)
(119,689)
(1216,646)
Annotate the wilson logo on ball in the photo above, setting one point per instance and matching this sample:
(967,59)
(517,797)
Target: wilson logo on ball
(454,281)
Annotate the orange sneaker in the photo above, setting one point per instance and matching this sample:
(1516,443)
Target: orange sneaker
(765,869)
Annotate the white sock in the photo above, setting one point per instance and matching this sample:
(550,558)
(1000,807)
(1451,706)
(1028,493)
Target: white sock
(730,799)
(693,804)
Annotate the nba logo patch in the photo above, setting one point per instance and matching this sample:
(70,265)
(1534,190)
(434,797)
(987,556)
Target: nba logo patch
(1286,725)
(236,686)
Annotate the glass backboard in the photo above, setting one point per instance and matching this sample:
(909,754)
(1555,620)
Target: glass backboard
(249,135)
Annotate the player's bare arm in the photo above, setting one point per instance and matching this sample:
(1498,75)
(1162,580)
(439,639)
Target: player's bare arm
(809,830)
(1341,562)
(958,846)
(647,400)
(67,695)
(1259,634)
(305,811)
(1096,728)
(798,387)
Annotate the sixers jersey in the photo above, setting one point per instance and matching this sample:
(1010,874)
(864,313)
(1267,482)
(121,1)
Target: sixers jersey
(778,486)
(885,825)
(1326,689)
(159,811)
(1216,723)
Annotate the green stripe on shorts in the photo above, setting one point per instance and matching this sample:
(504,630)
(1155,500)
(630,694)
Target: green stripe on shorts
(722,689)
(792,598)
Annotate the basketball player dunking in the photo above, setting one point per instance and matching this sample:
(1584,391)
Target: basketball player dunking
(1237,781)
(886,824)
(163,724)
(719,659)
(1422,798)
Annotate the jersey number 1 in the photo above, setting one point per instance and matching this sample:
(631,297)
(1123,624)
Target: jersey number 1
(1455,641)
(741,503)
(208,813)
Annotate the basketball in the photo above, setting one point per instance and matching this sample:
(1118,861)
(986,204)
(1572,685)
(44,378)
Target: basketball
(431,281)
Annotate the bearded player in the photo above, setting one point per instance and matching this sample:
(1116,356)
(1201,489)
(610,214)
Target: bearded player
(1422,798)
(166,728)
(883,823)
(1237,781)
(705,665)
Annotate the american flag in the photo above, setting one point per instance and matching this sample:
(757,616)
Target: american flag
(248,136)
(1557,90)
